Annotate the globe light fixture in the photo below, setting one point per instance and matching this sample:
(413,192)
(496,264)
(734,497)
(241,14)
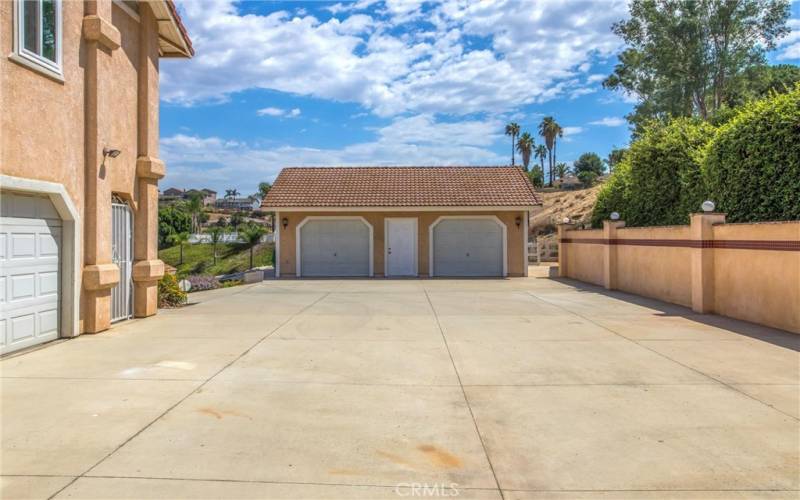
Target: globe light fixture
(566,220)
(614,216)
(708,206)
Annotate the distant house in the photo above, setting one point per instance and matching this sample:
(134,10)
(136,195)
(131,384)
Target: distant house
(247,204)
(568,182)
(208,196)
(172,192)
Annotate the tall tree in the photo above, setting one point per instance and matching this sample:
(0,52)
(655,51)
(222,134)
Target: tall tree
(561,170)
(263,189)
(550,130)
(614,157)
(215,232)
(195,208)
(684,57)
(540,152)
(525,148)
(512,129)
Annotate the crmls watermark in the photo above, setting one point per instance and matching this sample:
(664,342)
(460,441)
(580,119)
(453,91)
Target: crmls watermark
(426,490)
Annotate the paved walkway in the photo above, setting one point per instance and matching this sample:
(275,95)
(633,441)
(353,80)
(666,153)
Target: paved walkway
(377,389)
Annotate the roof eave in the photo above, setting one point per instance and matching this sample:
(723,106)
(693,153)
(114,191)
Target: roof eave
(401,208)
(173,37)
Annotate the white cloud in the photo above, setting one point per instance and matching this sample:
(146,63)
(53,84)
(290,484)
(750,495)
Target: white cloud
(571,132)
(531,50)
(291,113)
(609,121)
(790,45)
(416,140)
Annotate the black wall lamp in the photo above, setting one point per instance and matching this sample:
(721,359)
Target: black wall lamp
(518,220)
(113,153)
(284,222)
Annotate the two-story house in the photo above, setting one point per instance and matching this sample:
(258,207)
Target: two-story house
(79,163)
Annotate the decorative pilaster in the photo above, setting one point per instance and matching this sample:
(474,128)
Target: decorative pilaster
(610,253)
(702,232)
(563,228)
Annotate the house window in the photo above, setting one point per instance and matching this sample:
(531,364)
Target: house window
(39,32)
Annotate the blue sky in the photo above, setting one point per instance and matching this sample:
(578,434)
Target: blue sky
(388,82)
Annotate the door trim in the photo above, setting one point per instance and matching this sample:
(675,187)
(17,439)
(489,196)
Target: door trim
(493,218)
(297,238)
(71,238)
(415,257)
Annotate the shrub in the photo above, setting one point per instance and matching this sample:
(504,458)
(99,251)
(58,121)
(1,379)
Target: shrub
(169,294)
(752,167)
(659,181)
(203,282)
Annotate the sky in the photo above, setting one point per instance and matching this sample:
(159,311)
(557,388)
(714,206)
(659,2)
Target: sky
(388,82)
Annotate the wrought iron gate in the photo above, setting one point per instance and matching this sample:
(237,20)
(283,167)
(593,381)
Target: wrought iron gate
(122,256)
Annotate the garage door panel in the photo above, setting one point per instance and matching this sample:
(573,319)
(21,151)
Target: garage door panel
(468,247)
(30,243)
(334,248)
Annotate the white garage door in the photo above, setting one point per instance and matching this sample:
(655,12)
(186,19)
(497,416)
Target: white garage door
(334,247)
(467,247)
(30,242)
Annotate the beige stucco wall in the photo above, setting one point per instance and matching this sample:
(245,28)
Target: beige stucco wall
(55,131)
(515,235)
(585,260)
(668,269)
(757,285)
(762,286)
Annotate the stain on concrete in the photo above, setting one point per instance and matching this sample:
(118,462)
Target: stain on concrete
(440,458)
(396,459)
(220,414)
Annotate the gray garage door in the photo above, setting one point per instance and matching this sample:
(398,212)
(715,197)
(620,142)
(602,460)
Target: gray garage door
(467,247)
(30,241)
(334,247)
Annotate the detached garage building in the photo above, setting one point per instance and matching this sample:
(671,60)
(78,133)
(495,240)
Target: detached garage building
(401,221)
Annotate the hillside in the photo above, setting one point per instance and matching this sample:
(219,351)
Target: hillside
(556,205)
(231,258)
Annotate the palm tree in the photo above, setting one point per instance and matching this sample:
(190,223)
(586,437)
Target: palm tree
(195,207)
(540,152)
(561,170)
(231,193)
(550,130)
(215,233)
(251,234)
(525,148)
(179,239)
(512,129)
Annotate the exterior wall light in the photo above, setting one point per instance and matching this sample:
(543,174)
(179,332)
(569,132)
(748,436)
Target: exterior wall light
(708,206)
(614,215)
(566,220)
(113,153)
(518,220)
(285,222)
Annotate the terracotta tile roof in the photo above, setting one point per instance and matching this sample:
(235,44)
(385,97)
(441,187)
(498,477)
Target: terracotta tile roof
(173,10)
(401,187)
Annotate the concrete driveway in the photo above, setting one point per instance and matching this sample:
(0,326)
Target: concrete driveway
(386,389)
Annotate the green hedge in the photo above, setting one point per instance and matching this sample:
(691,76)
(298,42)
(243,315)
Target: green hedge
(659,181)
(752,167)
(749,166)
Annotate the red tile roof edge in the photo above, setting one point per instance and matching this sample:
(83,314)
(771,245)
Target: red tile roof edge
(179,22)
(526,181)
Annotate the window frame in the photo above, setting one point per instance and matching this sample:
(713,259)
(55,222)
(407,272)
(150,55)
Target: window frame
(25,56)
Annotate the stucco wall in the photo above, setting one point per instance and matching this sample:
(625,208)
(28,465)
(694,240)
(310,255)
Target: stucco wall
(52,130)
(585,260)
(762,286)
(668,269)
(515,235)
(745,271)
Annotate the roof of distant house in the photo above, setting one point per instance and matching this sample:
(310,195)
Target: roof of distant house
(401,187)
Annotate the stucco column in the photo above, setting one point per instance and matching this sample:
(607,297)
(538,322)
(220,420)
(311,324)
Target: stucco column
(702,232)
(610,252)
(563,228)
(147,268)
(99,273)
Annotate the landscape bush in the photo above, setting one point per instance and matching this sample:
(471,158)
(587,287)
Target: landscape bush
(752,167)
(659,181)
(169,293)
(202,282)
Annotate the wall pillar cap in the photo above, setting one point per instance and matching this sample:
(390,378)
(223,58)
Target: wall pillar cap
(100,276)
(97,29)
(614,223)
(150,167)
(148,270)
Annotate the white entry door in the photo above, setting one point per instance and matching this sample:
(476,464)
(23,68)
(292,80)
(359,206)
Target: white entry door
(401,247)
(30,270)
